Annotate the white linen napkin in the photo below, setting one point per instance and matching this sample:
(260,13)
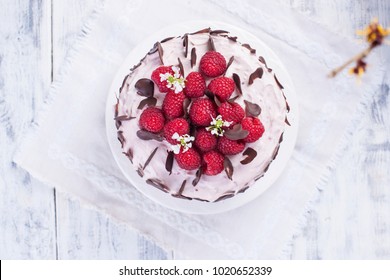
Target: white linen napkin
(68,147)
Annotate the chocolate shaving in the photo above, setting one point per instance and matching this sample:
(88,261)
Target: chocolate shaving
(252,109)
(237,81)
(228,65)
(140,171)
(278,83)
(116,109)
(158,184)
(233,38)
(243,189)
(250,153)
(192,129)
(236,133)
(144,87)
(129,154)
(281,138)
(287,105)
(193,57)
(211,44)
(169,162)
(227,164)
(287,122)
(216,100)
(123,118)
(258,177)
(154,49)
(198,175)
(186,104)
(266,168)
(257,74)
(180,192)
(252,50)
(231,100)
(150,101)
(205,30)
(209,94)
(225,196)
(167,39)
(124,81)
(218,32)
(121,138)
(118,124)
(146,135)
(181,67)
(276,151)
(262,60)
(136,66)
(150,158)
(185,44)
(160,52)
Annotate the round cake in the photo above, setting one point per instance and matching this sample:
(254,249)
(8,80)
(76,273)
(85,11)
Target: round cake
(201,116)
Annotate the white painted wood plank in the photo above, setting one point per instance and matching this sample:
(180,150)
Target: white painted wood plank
(85,233)
(351,217)
(27,219)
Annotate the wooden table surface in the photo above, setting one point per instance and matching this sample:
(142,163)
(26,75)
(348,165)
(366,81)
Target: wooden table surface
(350,219)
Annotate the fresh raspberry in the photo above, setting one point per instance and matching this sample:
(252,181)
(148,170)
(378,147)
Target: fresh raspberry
(222,87)
(212,64)
(188,160)
(202,112)
(195,85)
(173,105)
(162,85)
(231,112)
(255,128)
(179,126)
(230,147)
(212,163)
(204,140)
(152,119)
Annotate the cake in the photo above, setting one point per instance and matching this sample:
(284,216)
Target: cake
(201,116)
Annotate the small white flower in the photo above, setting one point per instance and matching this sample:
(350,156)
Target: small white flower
(217,125)
(183,141)
(175,81)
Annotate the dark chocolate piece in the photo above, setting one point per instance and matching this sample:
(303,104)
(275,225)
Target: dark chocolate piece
(198,175)
(262,60)
(180,192)
(144,87)
(278,83)
(160,52)
(186,104)
(237,81)
(218,32)
(136,66)
(243,189)
(167,39)
(257,74)
(252,50)
(181,67)
(225,196)
(129,154)
(287,122)
(123,118)
(146,135)
(154,48)
(140,171)
(150,101)
(193,57)
(158,184)
(236,133)
(227,164)
(216,100)
(229,63)
(185,44)
(150,157)
(124,81)
(121,138)
(233,38)
(250,155)
(252,109)
(211,44)
(169,162)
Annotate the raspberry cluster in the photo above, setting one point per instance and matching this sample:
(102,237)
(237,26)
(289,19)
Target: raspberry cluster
(211,113)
